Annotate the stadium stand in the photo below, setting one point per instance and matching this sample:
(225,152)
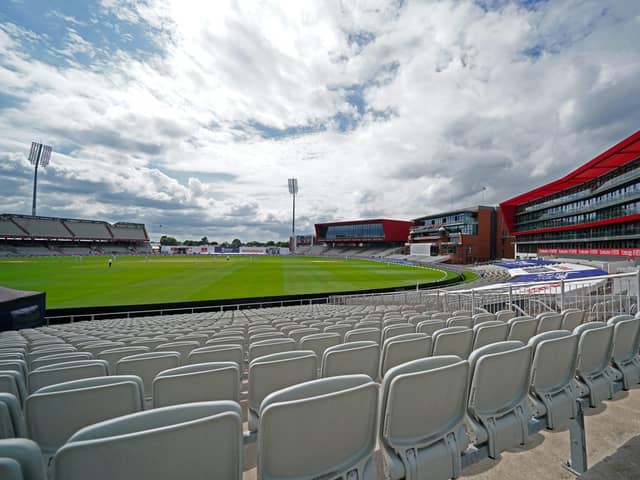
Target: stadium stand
(22,235)
(479,407)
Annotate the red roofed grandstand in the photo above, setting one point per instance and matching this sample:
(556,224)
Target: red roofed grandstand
(28,235)
(592,211)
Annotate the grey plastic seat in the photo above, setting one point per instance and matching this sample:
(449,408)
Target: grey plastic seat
(202,382)
(217,353)
(339,329)
(65,372)
(183,347)
(274,372)
(319,342)
(500,375)
(419,442)
(13,383)
(113,355)
(152,343)
(192,441)
(229,340)
(460,321)
(552,377)
(456,341)
(363,334)
(256,337)
(396,329)
(16,365)
(624,355)
(430,326)
(351,358)
(479,318)
(505,315)
(549,322)
(594,353)
(147,366)
(12,422)
(490,331)
(335,416)
(402,349)
(79,403)
(298,333)
(60,358)
(41,352)
(269,346)
(571,318)
(27,463)
(522,328)
(96,348)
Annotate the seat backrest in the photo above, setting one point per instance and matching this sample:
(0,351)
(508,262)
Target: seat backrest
(302,332)
(204,437)
(430,326)
(625,334)
(402,349)
(460,321)
(500,375)
(549,322)
(490,331)
(60,358)
(396,329)
(274,372)
(229,340)
(571,319)
(594,347)
(79,403)
(147,366)
(522,328)
(505,315)
(183,347)
(13,383)
(202,382)
(351,358)
(27,455)
(64,372)
(337,418)
(479,318)
(319,342)
(217,353)
(113,355)
(498,396)
(339,329)
(11,418)
(97,347)
(442,383)
(554,361)
(15,364)
(453,341)
(269,346)
(362,334)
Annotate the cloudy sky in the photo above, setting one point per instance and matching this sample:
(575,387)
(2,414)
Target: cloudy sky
(190,116)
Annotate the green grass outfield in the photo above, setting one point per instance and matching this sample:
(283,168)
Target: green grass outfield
(136,280)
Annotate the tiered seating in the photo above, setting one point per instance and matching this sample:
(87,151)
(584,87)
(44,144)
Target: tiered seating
(119,386)
(128,231)
(9,228)
(42,227)
(88,229)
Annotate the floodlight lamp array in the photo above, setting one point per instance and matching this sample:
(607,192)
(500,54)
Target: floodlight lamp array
(293,186)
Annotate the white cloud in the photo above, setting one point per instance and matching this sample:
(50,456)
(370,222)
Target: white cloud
(506,98)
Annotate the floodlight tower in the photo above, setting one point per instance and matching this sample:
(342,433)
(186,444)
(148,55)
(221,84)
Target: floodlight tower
(39,155)
(293,190)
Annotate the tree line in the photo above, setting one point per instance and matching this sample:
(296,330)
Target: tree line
(236,242)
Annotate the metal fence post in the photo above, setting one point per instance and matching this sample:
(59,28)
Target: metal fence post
(473,301)
(562,294)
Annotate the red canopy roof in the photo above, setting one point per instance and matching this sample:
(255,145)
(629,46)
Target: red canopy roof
(625,151)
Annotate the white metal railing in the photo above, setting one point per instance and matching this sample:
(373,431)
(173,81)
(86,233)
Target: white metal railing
(603,296)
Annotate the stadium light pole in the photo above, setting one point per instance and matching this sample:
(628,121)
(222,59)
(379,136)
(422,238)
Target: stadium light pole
(293,190)
(39,155)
